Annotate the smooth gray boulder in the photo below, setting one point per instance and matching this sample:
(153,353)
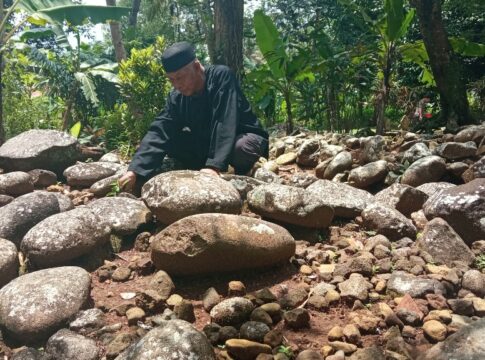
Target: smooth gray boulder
(5,199)
(45,149)
(243,184)
(433,187)
(308,153)
(367,175)
(472,133)
(174,339)
(16,183)
(463,207)
(403,283)
(35,305)
(211,243)
(466,344)
(68,345)
(475,171)
(424,170)
(371,148)
(64,237)
(42,178)
(456,150)
(388,222)
(9,263)
(340,163)
(86,174)
(403,198)
(346,201)
(444,244)
(176,194)
(290,205)
(17,217)
(122,215)
(416,152)
(232,312)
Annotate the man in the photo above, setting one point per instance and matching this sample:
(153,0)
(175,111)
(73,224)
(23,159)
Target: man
(207,122)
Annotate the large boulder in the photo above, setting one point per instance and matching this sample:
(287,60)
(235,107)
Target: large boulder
(371,148)
(367,175)
(86,174)
(416,152)
(243,184)
(174,339)
(388,222)
(176,194)
(466,344)
(121,214)
(308,153)
(35,305)
(9,264)
(456,150)
(341,162)
(46,149)
(68,345)
(463,207)
(403,198)
(17,217)
(444,244)
(475,171)
(16,183)
(427,169)
(433,187)
(472,133)
(403,283)
(290,205)
(211,243)
(64,237)
(346,201)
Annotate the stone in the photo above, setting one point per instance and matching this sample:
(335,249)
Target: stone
(16,183)
(408,311)
(462,207)
(309,355)
(67,345)
(297,318)
(120,342)
(174,339)
(28,353)
(185,311)
(17,217)
(475,171)
(403,198)
(335,333)
(461,306)
(65,203)
(473,133)
(134,314)
(162,283)
(105,186)
(210,299)
(402,283)
(5,199)
(367,175)
(254,331)
(427,169)
(9,264)
(45,149)
(290,205)
(87,321)
(122,215)
(433,187)
(86,174)
(388,222)
(261,316)
(273,310)
(35,305)
(286,159)
(456,150)
(267,176)
(233,311)
(308,153)
(474,281)
(211,243)
(368,353)
(444,244)
(121,274)
(293,298)
(351,334)
(242,349)
(236,288)
(443,316)
(273,338)
(343,346)
(355,287)
(64,237)
(416,152)
(340,163)
(466,344)
(174,195)
(243,184)
(347,201)
(212,333)
(228,332)
(457,168)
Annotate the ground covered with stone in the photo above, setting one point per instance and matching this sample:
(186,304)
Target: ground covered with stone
(338,247)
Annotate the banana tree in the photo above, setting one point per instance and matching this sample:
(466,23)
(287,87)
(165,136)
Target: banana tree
(284,69)
(56,13)
(389,29)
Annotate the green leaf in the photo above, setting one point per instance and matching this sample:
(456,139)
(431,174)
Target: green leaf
(467,48)
(270,43)
(394,18)
(88,88)
(32,6)
(107,75)
(405,23)
(414,52)
(75,130)
(37,33)
(306,75)
(78,14)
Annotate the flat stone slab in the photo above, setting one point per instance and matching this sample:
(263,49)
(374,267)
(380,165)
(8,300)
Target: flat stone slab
(86,174)
(45,149)
(35,305)
(291,205)
(403,283)
(388,222)
(209,243)
(176,194)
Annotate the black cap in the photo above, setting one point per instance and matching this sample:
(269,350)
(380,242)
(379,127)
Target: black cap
(177,56)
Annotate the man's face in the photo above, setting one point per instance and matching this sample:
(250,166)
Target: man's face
(186,80)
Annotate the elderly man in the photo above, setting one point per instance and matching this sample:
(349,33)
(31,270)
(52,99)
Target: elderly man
(207,122)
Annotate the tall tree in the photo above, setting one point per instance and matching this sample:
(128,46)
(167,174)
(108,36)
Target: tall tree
(444,63)
(135,9)
(116,36)
(228,30)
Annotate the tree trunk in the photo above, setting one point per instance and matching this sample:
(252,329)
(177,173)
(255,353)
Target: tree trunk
(207,21)
(135,9)
(289,114)
(115,28)
(228,30)
(445,65)
(2,126)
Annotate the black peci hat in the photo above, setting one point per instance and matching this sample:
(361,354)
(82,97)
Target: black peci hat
(177,56)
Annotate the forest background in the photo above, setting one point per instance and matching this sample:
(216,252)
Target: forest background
(325,65)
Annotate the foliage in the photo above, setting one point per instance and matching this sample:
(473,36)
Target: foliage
(286,350)
(480,262)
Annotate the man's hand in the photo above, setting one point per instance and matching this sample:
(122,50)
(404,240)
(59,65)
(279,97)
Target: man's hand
(209,171)
(127,181)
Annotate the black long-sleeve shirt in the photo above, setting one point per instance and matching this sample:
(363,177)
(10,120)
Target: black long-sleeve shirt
(201,129)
